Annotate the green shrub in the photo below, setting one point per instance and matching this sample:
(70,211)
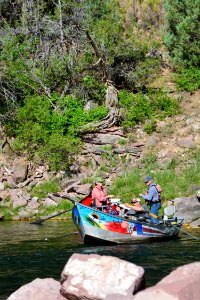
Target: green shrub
(136,108)
(57,151)
(64,204)
(150,127)
(149,160)
(49,134)
(147,71)
(188,79)
(93,89)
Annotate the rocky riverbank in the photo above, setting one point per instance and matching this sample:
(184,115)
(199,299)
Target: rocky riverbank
(15,186)
(106,154)
(17,181)
(96,277)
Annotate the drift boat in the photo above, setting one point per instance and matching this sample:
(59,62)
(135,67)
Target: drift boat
(97,226)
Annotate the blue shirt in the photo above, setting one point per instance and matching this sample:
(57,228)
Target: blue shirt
(152,193)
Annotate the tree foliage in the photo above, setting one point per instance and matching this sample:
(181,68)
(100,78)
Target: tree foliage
(56,55)
(183,32)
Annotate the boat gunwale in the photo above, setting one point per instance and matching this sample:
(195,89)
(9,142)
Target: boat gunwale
(130,220)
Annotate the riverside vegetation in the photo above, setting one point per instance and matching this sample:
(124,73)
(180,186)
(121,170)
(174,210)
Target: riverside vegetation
(57,57)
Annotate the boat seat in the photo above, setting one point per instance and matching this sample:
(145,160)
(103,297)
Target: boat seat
(171,221)
(169,212)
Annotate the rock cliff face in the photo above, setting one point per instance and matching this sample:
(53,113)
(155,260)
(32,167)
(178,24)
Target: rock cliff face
(106,153)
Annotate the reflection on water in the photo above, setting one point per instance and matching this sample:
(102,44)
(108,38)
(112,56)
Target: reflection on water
(40,251)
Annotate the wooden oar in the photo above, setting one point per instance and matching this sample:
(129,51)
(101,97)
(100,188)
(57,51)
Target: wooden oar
(172,225)
(38,222)
(64,197)
(151,214)
(194,237)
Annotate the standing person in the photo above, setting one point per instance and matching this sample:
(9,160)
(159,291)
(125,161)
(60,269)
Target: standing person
(152,197)
(99,194)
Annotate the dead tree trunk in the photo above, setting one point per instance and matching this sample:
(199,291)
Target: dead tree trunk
(113,115)
(111,102)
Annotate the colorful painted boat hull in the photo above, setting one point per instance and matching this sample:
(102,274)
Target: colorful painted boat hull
(97,226)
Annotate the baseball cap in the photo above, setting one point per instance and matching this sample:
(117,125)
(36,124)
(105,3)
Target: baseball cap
(147,179)
(134,200)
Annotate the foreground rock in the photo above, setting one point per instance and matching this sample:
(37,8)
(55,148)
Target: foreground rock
(96,277)
(181,284)
(39,289)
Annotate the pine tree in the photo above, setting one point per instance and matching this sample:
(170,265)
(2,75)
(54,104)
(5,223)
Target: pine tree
(183,32)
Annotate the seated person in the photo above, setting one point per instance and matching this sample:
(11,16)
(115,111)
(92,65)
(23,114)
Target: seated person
(99,195)
(136,205)
(137,210)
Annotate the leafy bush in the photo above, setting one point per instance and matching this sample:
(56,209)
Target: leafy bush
(50,133)
(188,79)
(147,71)
(137,108)
(58,151)
(150,127)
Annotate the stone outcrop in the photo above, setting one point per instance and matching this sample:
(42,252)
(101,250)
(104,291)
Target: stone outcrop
(186,142)
(20,169)
(188,208)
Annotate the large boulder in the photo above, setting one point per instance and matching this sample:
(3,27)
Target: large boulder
(181,284)
(20,169)
(38,289)
(96,277)
(188,208)
(186,142)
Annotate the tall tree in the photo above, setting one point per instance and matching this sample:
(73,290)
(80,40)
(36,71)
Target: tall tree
(183,32)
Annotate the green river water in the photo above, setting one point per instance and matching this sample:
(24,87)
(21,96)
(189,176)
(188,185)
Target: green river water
(40,251)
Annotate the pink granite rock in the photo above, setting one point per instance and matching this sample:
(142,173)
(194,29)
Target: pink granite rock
(38,289)
(95,277)
(181,284)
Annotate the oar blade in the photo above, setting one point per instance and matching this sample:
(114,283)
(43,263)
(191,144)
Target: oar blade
(38,222)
